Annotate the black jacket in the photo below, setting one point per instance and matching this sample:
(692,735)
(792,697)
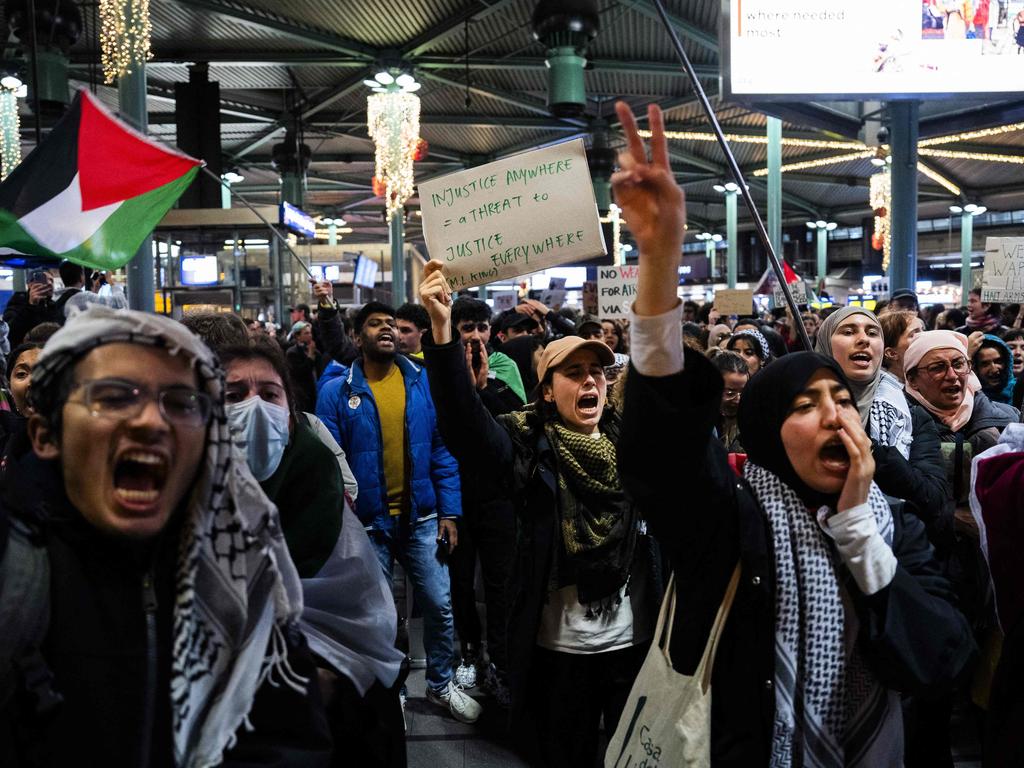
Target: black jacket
(22,317)
(921,480)
(520,467)
(113,675)
(707,519)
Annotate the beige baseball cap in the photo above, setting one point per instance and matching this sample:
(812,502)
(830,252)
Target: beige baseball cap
(556,352)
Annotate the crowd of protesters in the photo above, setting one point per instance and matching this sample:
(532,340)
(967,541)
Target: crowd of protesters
(199,522)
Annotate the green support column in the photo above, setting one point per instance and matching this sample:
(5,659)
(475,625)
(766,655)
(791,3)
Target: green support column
(396,237)
(730,236)
(774,222)
(903,127)
(131,99)
(966,245)
(822,257)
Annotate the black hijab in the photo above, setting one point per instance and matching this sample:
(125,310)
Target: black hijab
(521,350)
(765,405)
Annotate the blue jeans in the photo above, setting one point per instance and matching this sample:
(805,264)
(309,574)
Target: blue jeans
(415,547)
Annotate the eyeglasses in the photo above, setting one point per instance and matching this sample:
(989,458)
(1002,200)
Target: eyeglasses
(121,400)
(470,327)
(732,394)
(961,367)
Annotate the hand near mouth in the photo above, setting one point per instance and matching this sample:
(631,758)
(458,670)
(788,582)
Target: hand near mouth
(862,463)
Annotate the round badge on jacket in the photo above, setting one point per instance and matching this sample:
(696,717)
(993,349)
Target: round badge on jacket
(354,401)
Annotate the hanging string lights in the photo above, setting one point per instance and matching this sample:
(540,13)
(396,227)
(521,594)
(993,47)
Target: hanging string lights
(393,120)
(11,88)
(880,196)
(125,31)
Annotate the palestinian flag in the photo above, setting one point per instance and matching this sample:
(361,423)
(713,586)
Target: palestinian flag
(91,191)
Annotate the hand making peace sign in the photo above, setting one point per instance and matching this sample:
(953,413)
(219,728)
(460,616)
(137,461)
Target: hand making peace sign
(654,207)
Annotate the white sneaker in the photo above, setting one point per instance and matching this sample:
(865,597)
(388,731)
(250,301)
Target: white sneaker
(465,674)
(461,706)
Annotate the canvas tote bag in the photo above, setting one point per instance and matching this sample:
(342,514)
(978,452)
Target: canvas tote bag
(667,718)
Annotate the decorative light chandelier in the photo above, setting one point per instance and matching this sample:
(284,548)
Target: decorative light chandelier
(125,30)
(11,88)
(393,120)
(880,195)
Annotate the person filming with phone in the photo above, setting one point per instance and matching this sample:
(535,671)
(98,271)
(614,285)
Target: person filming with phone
(33,306)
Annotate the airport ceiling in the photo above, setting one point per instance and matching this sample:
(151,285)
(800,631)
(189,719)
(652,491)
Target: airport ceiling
(484,89)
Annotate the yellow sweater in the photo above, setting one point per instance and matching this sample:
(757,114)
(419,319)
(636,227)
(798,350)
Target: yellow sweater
(389,395)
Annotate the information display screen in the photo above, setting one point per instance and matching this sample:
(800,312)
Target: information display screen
(873,48)
(366,272)
(199,270)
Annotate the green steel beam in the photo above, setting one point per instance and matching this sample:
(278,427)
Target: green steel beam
(282,25)
(684,28)
(453,24)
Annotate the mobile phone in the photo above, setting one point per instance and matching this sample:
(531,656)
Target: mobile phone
(37,276)
(477,354)
(443,547)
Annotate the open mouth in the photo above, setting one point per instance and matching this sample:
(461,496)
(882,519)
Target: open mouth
(139,478)
(834,456)
(587,404)
(862,358)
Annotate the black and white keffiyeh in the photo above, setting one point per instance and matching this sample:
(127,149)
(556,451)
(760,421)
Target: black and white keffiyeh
(830,710)
(236,589)
(890,422)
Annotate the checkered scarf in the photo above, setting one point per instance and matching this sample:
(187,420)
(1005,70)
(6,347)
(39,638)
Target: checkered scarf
(236,589)
(830,710)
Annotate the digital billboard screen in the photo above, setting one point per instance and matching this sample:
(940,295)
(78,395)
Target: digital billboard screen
(873,48)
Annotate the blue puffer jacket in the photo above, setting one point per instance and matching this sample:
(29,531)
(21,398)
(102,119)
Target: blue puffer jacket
(345,404)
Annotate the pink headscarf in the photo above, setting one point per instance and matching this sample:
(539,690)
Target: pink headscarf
(921,345)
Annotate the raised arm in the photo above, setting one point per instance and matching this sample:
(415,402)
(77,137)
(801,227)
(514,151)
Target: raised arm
(467,428)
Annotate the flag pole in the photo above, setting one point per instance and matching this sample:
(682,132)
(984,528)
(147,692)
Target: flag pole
(261,217)
(737,174)
(34,49)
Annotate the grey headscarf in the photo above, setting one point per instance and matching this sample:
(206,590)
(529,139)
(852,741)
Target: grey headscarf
(863,391)
(236,589)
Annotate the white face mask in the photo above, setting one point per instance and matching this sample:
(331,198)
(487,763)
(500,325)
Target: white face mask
(260,429)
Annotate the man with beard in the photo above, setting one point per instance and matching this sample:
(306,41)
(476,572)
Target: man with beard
(735,375)
(381,413)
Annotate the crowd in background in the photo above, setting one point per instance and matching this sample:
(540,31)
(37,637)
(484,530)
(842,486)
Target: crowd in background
(200,522)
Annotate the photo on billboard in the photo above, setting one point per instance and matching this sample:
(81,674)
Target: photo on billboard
(785,49)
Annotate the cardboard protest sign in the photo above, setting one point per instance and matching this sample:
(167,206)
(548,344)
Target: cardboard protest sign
(734,301)
(616,290)
(511,217)
(1003,277)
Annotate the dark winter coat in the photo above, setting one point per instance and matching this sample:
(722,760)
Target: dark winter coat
(114,678)
(521,467)
(21,316)
(921,480)
(707,519)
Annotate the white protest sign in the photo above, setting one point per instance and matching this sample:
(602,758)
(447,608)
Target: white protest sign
(734,301)
(553,298)
(616,290)
(514,216)
(1002,280)
(505,301)
(798,289)
(556,283)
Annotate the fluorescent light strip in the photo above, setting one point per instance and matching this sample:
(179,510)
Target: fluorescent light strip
(748,139)
(989,157)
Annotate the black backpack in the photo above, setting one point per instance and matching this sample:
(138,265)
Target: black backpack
(25,617)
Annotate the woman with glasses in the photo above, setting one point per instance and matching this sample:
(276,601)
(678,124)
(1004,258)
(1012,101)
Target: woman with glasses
(939,377)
